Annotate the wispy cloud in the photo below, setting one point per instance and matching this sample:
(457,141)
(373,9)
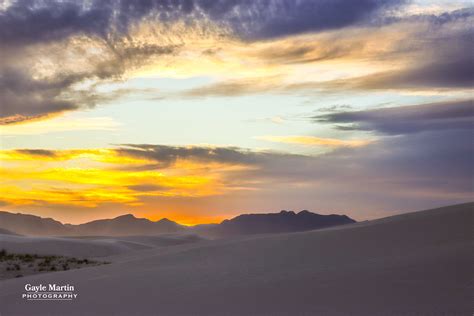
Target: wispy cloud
(60,124)
(451,115)
(316,141)
(416,53)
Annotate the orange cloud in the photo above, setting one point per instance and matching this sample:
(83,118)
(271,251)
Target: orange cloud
(89,177)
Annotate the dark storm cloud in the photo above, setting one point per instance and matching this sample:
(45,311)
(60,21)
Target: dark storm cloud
(261,19)
(24,23)
(24,94)
(28,21)
(453,115)
(446,61)
(23,97)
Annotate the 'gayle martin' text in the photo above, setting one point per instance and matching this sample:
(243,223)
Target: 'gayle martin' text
(50,292)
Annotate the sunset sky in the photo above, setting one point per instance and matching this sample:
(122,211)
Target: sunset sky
(200,110)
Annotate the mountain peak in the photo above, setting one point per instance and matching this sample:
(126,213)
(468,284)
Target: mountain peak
(128,224)
(282,222)
(126,216)
(165,220)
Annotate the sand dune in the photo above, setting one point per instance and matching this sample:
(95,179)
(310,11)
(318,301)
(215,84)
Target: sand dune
(6,232)
(412,264)
(90,247)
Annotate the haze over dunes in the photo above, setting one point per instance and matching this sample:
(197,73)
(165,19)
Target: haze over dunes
(417,263)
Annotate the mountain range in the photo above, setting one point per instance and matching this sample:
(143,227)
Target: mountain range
(283,222)
(127,225)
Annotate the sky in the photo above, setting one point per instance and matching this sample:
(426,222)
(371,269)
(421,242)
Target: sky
(200,110)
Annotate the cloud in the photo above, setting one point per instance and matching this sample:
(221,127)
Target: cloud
(406,168)
(26,22)
(402,172)
(167,155)
(56,54)
(316,141)
(442,72)
(414,53)
(335,108)
(51,177)
(234,88)
(60,124)
(147,187)
(37,152)
(50,48)
(393,167)
(450,115)
(280,18)
(33,98)
(45,81)
(449,75)
(438,55)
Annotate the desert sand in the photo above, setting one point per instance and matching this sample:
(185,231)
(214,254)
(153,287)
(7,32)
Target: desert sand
(91,247)
(412,264)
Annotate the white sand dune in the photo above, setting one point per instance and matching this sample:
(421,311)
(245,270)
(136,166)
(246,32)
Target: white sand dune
(412,264)
(89,247)
(7,232)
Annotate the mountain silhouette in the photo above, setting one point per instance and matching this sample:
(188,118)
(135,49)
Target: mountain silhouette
(124,225)
(25,224)
(283,222)
(128,225)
